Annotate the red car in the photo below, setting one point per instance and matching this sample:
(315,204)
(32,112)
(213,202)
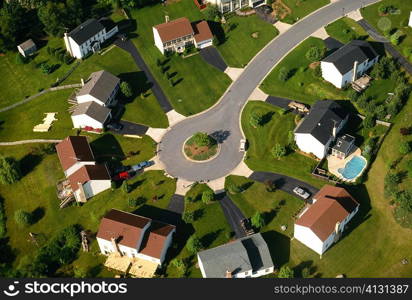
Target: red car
(122,176)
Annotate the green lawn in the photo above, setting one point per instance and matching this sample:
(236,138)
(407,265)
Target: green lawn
(241,38)
(393,21)
(198,85)
(209,225)
(262,139)
(303,85)
(302,8)
(346,30)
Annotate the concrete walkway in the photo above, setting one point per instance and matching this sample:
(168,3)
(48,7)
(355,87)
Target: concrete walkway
(29,142)
(258,94)
(282,27)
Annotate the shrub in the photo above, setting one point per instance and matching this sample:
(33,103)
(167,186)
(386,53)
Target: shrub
(409,167)
(133,202)
(314,54)
(126,187)
(22,218)
(45,68)
(207,196)
(404,148)
(9,170)
(126,89)
(286,272)
(255,120)
(233,188)
(369,122)
(188,217)
(380,111)
(395,38)
(257,220)
(270,186)
(284,74)
(202,139)
(180,265)
(305,273)
(392,178)
(194,244)
(317,72)
(278,151)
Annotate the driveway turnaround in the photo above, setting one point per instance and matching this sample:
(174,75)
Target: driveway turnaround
(233,215)
(213,57)
(157,90)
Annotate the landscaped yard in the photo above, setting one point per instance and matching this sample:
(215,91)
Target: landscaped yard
(396,18)
(276,129)
(302,85)
(345,30)
(250,34)
(301,8)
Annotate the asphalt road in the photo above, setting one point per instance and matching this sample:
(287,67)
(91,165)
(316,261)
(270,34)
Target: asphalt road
(225,115)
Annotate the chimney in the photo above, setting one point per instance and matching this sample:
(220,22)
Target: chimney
(167,18)
(355,70)
(337,227)
(228,274)
(82,80)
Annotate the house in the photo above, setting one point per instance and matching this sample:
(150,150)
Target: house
(90,114)
(88,181)
(322,223)
(349,62)
(243,258)
(27,48)
(101,87)
(226,6)
(134,236)
(176,35)
(74,152)
(343,146)
(320,127)
(88,37)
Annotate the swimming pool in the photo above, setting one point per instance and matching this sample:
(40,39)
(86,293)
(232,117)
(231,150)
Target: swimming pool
(353,168)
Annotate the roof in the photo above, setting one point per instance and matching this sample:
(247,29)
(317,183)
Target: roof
(87,173)
(345,57)
(125,227)
(93,110)
(246,254)
(107,23)
(27,45)
(155,239)
(202,31)
(322,118)
(85,31)
(174,29)
(333,205)
(100,85)
(74,149)
(344,143)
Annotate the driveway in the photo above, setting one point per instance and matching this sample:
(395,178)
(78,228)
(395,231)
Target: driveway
(157,90)
(233,216)
(176,204)
(279,102)
(224,116)
(213,57)
(130,128)
(283,182)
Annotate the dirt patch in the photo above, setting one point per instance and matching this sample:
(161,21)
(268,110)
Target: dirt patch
(255,35)
(193,150)
(280,9)
(314,65)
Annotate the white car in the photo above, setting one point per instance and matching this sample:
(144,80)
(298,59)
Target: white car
(242,147)
(301,192)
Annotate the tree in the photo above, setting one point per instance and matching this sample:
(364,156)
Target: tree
(202,139)
(194,244)
(45,68)
(180,265)
(14,25)
(270,185)
(257,220)
(404,200)
(255,120)
(207,196)
(126,187)
(126,89)
(305,272)
(133,202)
(392,179)
(353,95)
(278,151)
(286,272)
(284,74)
(212,12)
(53,15)
(22,218)
(396,37)
(188,217)
(233,188)
(369,122)
(9,170)
(314,54)
(404,148)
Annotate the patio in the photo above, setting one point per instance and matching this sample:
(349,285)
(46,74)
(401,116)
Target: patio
(335,163)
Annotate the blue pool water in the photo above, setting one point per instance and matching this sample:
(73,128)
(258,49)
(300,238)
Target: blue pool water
(353,167)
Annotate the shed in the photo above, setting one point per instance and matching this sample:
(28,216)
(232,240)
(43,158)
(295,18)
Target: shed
(27,48)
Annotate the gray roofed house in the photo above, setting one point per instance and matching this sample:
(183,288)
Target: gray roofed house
(102,86)
(93,110)
(26,48)
(85,30)
(245,257)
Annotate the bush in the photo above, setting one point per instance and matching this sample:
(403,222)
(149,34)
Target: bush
(233,188)
(286,272)
(188,217)
(9,170)
(353,95)
(257,220)
(202,139)
(278,151)
(133,202)
(212,12)
(270,186)
(404,148)
(409,167)
(194,244)
(396,37)
(284,74)
(22,218)
(180,265)
(369,122)
(255,120)
(314,54)
(305,273)
(126,187)
(45,68)
(317,72)
(208,196)
(126,89)
(392,179)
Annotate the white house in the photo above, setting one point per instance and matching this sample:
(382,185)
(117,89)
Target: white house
(178,34)
(88,37)
(348,63)
(410,20)
(315,133)
(226,6)
(321,224)
(27,48)
(101,87)
(90,114)
(134,236)
(243,258)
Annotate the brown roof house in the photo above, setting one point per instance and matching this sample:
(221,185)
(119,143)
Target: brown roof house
(85,177)
(176,35)
(134,236)
(322,223)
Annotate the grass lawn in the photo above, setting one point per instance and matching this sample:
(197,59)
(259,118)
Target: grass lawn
(302,8)
(262,139)
(303,85)
(198,85)
(209,225)
(346,30)
(393,21)
(241,38)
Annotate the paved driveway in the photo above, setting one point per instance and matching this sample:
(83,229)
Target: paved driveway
(176,204)
(233,215)
(225,115)
(332,43)
(279,101)
(213,57)
(131,128)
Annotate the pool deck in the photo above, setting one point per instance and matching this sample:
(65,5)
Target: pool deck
(334,164)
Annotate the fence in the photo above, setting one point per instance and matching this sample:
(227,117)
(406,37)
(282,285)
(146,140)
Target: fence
(66,75)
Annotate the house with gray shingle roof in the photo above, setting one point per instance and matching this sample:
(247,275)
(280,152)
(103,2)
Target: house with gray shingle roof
(243,258)
(90,114)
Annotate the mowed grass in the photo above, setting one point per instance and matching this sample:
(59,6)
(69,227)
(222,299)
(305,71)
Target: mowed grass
(241,38)
(303,85)
(346,30)
(198,85)
(302,8)
(396,20)
(275,130)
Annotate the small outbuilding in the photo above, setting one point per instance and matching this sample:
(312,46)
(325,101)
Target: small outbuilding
(27,48)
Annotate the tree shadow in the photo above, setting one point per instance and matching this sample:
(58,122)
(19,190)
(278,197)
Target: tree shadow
(37,214)
(279,246)
(268,216)
(95,270)
(220,135)
(136,184)
(308,264)
(159,214)
(138,82)
(177,81)
(218,32)
(266,118)
(244,187)
(29,162)
(210,237)
(107,149)
(198,213)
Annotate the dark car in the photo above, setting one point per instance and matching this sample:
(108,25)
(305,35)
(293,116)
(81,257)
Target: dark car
(120,169)
(114,126)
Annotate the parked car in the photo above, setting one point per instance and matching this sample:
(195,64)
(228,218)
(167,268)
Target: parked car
(142,165)
(115,126)
(242,147)
(301,192)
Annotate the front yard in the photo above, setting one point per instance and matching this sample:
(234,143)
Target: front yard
(301,8)
(345,30)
